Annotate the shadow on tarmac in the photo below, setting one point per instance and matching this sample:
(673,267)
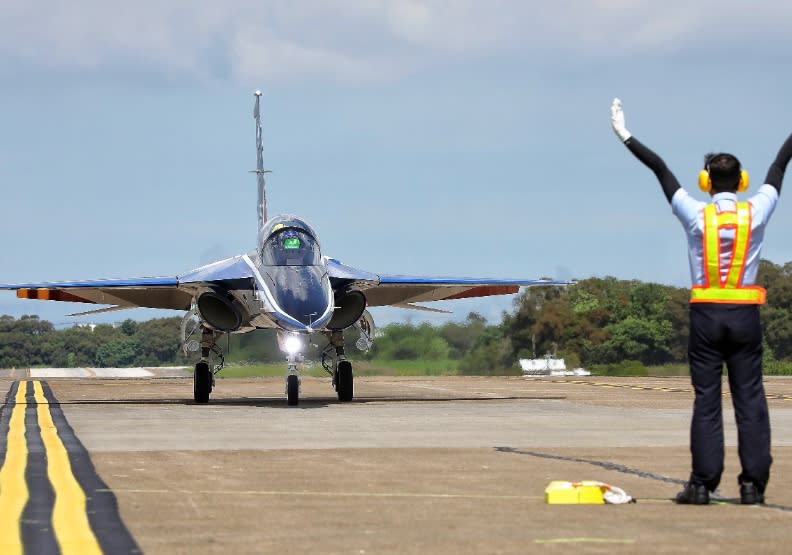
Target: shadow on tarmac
(311,402)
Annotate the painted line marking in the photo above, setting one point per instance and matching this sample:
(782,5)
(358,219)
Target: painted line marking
(422,386)
(13,488)
(51,499)
(586,540)
(333,494)
(725,393)
(69,518)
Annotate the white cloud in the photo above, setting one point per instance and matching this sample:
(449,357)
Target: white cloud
(354,41)
(266,57)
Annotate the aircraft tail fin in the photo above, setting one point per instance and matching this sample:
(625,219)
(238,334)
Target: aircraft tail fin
(260,171)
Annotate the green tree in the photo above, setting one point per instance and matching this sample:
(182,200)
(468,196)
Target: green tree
(117,353)
(157,341)
(129,327)
(601,320)
(776,314)
(491,353)
(460,337)
(408,342)
(74,347)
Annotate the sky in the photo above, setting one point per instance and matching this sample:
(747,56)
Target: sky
(421,137)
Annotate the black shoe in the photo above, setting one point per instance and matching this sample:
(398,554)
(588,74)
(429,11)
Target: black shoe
(750,494)
(693,494)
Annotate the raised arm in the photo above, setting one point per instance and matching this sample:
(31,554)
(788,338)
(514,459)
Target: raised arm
(775,175)
(648,157)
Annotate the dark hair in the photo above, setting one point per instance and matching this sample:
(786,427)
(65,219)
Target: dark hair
(724,171)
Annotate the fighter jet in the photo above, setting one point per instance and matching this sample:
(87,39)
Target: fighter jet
(285,283)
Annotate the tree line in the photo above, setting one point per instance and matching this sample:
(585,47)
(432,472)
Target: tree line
(622,324)
(31,342)
(597,322)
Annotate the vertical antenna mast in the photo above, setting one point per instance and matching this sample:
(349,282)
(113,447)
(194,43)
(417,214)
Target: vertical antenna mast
(260,171)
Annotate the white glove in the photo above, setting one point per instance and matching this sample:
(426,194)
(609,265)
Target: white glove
(617,120)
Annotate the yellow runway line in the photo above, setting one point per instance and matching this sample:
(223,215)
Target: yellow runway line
(13,488)
(69,518)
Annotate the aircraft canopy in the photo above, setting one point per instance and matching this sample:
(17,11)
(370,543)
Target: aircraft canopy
(290,247)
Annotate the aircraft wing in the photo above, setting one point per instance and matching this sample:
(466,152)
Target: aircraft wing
(177,292)
(151,292)
(403,291)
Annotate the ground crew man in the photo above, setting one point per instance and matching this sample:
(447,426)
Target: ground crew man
(724,240)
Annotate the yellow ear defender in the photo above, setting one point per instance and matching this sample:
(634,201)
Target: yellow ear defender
(742,186)
(705,183)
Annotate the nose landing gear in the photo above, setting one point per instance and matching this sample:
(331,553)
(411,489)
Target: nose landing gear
(292,383)
(292,344)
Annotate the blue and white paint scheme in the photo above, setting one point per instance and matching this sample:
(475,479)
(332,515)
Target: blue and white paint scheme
(285,283)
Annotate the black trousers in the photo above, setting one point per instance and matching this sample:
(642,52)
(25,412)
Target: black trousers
(731,334)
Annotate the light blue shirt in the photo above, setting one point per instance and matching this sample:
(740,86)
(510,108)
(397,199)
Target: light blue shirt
(690,213)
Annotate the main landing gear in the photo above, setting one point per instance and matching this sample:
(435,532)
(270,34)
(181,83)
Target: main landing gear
(203,378)
(336,364)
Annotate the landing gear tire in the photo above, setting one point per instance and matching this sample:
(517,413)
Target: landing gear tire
(292,390)
(202,382)
(344,381)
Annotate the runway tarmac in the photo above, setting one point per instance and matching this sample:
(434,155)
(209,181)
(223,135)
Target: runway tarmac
(415,465)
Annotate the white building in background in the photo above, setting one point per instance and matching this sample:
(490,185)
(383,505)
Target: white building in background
(549,366)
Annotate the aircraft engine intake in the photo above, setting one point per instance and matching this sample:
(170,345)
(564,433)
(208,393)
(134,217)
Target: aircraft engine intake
(220,310)
(349,307)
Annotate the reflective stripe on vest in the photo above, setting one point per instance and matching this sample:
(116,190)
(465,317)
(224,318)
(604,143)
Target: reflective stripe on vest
(729,290)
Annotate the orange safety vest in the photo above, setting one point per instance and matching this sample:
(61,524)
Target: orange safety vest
(731,289)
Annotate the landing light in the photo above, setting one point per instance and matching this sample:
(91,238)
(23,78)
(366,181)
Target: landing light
(292,344)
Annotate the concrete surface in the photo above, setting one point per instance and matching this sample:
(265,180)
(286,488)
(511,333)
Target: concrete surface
(417,465)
